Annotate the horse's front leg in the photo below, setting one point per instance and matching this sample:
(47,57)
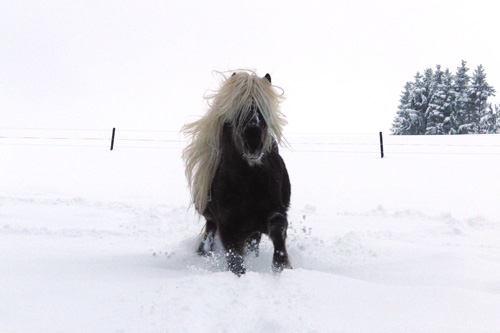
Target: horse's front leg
(206,247)
(278,226)
(234,243)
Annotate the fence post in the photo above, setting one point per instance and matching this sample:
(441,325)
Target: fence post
(113,139)
(381,146)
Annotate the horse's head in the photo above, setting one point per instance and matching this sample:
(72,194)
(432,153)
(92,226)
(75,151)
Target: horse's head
(251,131)
(249,136)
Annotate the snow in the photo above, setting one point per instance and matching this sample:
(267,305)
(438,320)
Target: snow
(93,240)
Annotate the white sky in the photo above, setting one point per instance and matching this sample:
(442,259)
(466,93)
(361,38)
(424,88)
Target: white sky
(147,64)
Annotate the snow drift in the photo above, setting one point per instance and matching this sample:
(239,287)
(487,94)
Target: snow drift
(93,240)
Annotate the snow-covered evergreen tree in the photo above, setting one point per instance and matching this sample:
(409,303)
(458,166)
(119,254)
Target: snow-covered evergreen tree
(480,112)
(489,122)
(419,101)
(460,120)
(434,114)
(402,124)
(497,113)
(439,102)
(410,116)
(446,98)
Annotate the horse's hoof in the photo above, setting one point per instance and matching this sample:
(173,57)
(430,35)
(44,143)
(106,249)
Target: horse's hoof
(278,268)
(235,263)
(239,271)
(203,252)
(280,262)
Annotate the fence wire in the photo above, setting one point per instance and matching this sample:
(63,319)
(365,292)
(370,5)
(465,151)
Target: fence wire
(336,143)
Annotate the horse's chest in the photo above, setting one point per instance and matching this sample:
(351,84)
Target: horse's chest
(251,187)
(255,184)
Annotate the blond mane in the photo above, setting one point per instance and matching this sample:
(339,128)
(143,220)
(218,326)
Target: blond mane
(227,105)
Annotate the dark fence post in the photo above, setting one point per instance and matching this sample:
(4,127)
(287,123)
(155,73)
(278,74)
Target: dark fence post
(113,139)
(381,146)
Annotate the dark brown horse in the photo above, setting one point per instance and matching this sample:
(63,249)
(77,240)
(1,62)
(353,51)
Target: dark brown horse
(238,180)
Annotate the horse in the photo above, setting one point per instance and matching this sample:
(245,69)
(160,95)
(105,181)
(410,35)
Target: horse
(238,180)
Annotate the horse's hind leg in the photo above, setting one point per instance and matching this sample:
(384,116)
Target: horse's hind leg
(207,244)
(278,225)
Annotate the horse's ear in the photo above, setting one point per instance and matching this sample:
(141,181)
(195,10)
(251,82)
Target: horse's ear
(234,73)
(268,77)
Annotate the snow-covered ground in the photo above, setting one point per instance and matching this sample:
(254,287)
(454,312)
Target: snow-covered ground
(99,241)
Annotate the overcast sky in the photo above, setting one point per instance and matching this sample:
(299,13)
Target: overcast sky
(147,64)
